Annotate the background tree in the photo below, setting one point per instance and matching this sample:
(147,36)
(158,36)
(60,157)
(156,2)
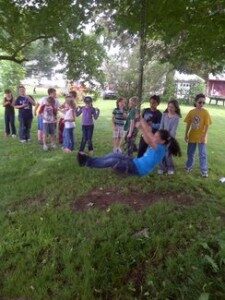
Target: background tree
(61,22)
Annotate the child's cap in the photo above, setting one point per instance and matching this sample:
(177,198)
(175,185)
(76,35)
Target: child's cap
(88,99)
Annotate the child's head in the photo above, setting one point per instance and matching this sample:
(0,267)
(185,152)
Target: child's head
(69,102)
(173,107)
(22,90)
(88,101)
(199,101)
(52,92)
(73,94)
(162,136)
(154,102)
(121,102)
(50,101)
(133,101)
(8,94)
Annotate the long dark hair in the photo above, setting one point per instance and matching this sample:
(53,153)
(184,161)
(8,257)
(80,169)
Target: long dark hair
(171,143)
(176,105)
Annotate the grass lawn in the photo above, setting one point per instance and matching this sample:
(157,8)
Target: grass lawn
(173,248)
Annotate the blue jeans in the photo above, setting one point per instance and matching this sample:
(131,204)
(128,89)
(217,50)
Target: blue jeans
(202,156)
(10,122)
(87,137)
(24,128)
(117,161)
(68,138)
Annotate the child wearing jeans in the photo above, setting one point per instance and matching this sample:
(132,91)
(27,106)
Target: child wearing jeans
(130,128)
(24,104)
(198,121)
(170,120)
(9,114)
(118,120)
(61,124)
(69,124)
(49,114)
(89,114)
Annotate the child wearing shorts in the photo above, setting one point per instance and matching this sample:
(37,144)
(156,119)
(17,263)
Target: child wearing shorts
(49,113)
(118,120)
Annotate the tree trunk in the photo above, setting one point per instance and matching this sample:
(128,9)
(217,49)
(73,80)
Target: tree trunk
(142,49)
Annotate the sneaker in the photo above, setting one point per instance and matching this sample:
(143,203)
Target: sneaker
(160,172)
(67,150)
(22,141)
(188,170)
(82,158)
(205,174)
(53,146)
(13,136)
(45,147)
(29,140)
(170,172)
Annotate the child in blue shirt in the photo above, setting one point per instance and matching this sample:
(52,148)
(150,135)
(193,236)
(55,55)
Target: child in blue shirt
(24,104)
(158,145)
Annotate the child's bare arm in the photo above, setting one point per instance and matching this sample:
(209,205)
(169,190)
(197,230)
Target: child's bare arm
(186,132)
(147,133)
(131,129)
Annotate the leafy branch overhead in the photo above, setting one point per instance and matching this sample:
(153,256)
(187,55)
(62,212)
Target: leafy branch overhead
(62,23)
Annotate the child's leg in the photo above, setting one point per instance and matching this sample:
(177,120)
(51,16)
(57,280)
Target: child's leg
(162,167)
(142,147)
(61,130)
(169,163)
(7,122)
(28,127)
(22,129)
(190,155)
(116,161)
(71,135)
(89,137)
(44,135)
(203,157)
(12,123)
(84,138)
(40,129)
(52,129)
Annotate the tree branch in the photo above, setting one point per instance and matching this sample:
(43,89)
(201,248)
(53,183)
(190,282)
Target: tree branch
(14,58)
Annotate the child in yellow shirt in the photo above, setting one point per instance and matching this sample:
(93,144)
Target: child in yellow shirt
(198,121)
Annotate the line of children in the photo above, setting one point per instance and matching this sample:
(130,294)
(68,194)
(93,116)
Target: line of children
(198,121)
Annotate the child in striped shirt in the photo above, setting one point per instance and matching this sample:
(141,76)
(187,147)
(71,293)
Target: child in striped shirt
(118,120)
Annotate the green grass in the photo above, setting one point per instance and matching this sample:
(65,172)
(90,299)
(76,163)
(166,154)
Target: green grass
(47,251)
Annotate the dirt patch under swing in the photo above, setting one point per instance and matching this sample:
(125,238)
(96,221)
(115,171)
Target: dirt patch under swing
(104,198)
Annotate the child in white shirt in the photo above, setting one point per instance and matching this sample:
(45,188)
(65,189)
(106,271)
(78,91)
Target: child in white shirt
(69,122)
